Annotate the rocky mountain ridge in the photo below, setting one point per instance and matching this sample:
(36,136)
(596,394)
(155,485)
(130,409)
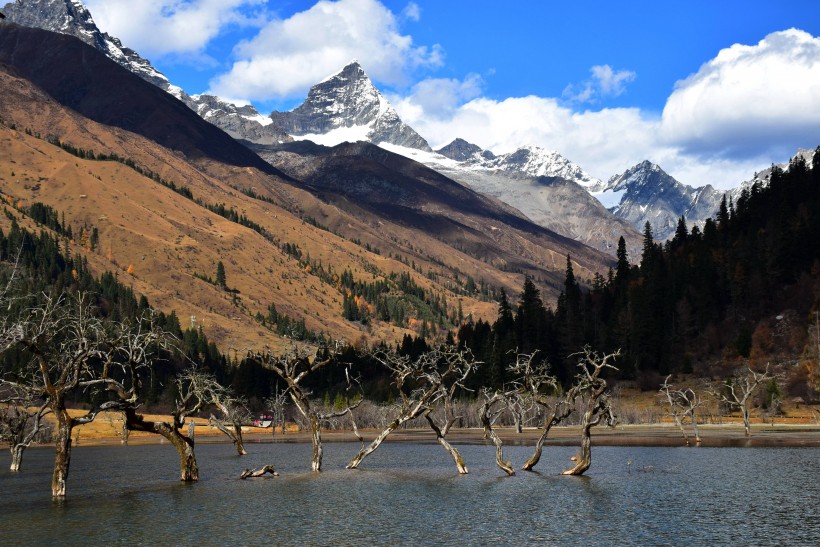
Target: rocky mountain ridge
(346,105)
(649,194)
(73,18)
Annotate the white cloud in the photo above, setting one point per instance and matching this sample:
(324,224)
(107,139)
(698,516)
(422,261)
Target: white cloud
(411,12)
(181,28)
(440,97)
(748,107)
(290,55)
(605,82)
(750,99)
(604,142)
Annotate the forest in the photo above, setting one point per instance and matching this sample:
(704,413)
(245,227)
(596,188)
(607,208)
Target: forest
(744,287)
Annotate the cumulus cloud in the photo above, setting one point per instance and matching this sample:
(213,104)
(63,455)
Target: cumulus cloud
(181,28)
(748,107)
(604,142)
(290,55)
(749,99)
(439,98)
(605,82)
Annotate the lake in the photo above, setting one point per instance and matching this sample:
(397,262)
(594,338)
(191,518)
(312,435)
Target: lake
(410,493)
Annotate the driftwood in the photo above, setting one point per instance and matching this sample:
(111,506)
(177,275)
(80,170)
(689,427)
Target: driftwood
(248,474)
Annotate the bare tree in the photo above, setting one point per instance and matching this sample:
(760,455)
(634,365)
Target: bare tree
(196,389)
(422,383)
(276,406)
(495,403)
(21,420)
(736,391)
(63,336)
(129,354)
(441,422)
(294,367)
(234,412)
(682,405)
(535,380)
(592,389)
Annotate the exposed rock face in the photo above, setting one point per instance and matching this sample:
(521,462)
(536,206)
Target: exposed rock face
(553,202)
(240,122)
(348,101)
(460,150)
(73,18)
(650,194)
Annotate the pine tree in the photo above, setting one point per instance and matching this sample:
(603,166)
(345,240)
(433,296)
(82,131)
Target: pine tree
(220,276)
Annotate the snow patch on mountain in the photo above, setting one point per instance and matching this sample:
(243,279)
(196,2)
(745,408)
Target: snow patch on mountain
(347,105)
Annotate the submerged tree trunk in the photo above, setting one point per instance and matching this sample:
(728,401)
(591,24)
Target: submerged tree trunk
(489,432)
(366,451)
(189,471)
(457,459)
(16,457)
(234,433)
(597,407)
(19,439)
(316,437)
(695,427)
(62,456)
(251,474)
(539,444)
(584,459)
(744,412)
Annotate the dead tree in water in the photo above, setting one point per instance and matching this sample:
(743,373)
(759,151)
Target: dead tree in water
(593,391)
(495,403)
(196,390)
(682,405)
(294,367)
(421,383)
(276,406)
(252,474)
(129,354)
(737,390)
(63,336)
(20,421)
(234,412)
(535,380)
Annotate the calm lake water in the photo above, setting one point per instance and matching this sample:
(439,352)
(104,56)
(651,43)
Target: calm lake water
(411,494)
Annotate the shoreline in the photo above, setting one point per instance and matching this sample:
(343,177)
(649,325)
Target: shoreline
(659,435)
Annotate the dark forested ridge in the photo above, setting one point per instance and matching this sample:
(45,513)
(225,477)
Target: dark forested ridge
(744,286)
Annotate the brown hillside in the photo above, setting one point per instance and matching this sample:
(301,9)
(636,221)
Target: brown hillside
(158,239)
(166,238)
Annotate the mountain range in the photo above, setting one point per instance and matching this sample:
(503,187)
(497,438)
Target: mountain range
(346,106)
(291,200)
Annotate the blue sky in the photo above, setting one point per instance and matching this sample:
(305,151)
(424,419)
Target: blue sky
(709,90)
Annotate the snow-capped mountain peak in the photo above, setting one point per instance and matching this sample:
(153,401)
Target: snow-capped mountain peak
(347,106)
(647,193)
(533,161)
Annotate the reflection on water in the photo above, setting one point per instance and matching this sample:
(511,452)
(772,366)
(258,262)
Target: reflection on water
(411,493)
